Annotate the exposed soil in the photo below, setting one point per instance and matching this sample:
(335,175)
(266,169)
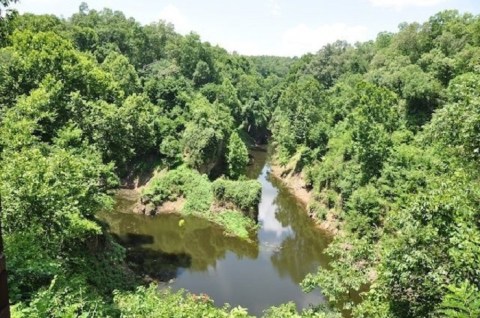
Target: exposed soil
(295,182)
(171,206)
(166,207)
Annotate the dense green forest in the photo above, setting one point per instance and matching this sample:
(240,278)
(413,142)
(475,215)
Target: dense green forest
(385,133)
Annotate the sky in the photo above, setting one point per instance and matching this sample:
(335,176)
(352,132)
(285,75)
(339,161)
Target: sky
(268,27)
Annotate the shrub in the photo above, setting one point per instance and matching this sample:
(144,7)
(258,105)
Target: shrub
(181,182)
(199,193)
(331,198)
(318,210)
(149,302)
(234,223)
(289,310)
(243,194)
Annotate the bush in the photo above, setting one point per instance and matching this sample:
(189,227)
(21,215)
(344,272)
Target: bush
(245,195)
(318,210)
(195,188)
(234,223)
(149,302)
(331,198)
(289,310)
(65,297)
(366,201)
(199,193)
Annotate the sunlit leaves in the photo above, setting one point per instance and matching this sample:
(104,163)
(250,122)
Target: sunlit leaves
(461,302)
(237,156)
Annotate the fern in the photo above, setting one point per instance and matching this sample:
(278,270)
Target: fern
(461,302)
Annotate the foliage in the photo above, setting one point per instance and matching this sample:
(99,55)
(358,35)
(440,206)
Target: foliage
(83,101)
(387,132)
(237,156)
(462,301)
(395,159)
(294,118)
(149,302)
(243,194)
(6,18)
(234,223)
(199,194)
(272,65)
(206,134)
(181,182)
(349,272)
(289,310)
(65,297)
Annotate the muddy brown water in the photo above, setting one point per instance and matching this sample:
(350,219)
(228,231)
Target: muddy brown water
(199,258)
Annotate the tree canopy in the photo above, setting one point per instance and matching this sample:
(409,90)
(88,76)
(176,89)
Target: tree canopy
(387,132)
(393,164)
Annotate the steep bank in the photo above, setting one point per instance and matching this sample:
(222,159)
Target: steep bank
(295,182)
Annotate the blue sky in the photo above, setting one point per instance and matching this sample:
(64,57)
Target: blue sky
(273,27)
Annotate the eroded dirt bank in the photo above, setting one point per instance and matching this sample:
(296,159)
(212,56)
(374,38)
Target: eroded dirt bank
(295,182)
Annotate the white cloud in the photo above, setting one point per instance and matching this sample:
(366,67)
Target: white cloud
(171,14)
(58,7)
(304,39)
(399,4)
(243,47)
(275,8)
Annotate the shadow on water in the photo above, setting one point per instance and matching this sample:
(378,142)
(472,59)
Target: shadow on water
(198,257)
(157,265)
(155,240)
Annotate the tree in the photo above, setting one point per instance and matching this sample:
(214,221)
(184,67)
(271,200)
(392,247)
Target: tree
(202,74)
(123,73)
(237,156)
(296,119)
(6,20)
(206,134)
(33,57)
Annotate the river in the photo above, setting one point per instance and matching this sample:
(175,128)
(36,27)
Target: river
(199,258)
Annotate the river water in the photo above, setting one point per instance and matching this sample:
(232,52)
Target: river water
(199,258)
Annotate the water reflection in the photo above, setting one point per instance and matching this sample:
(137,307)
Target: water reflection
(197,240)
(272,230)
(303,242)
(253,275)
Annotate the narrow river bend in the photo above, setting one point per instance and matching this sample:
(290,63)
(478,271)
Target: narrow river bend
(199,258)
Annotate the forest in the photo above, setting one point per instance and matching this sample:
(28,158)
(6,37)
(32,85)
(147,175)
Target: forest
(384,133)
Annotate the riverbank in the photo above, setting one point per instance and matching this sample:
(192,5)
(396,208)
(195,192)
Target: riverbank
(199,257)
(295,183)
(232,205)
